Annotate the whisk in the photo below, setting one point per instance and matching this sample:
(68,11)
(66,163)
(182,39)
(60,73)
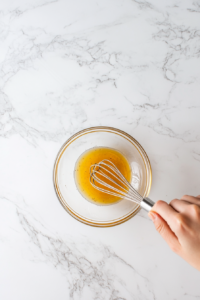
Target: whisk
(105,177)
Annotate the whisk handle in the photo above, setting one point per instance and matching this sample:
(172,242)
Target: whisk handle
(147,204)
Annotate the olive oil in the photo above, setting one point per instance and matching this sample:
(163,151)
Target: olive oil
(82,173)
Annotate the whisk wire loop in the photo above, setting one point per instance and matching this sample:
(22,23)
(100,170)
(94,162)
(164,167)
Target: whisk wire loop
(125,190)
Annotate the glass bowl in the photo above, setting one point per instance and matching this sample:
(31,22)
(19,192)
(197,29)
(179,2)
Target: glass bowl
(65,186)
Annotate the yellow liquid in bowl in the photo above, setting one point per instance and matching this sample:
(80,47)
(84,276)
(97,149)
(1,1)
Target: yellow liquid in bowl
(82,173)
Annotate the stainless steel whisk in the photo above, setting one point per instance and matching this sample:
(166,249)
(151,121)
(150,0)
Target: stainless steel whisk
(118,185)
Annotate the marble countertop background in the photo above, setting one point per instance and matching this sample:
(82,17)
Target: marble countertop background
(68,65)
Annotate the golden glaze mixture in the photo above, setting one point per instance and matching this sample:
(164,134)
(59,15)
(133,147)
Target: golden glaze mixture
(82,173)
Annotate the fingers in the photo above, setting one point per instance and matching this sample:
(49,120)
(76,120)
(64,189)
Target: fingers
(184,207)
(180,206)
(166,212)
(163,228)
(191,199)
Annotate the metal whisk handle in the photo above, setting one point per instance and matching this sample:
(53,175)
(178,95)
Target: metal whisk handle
(147,204)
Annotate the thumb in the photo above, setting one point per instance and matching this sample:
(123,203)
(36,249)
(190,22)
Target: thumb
(165,231)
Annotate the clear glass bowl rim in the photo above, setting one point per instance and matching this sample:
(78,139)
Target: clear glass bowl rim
(101,129)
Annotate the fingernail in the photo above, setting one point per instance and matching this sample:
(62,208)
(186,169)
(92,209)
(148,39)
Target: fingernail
(153,216)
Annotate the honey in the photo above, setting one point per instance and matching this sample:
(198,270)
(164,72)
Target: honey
(82,173)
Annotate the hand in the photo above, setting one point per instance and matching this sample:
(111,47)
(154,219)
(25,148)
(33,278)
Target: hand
(179,224)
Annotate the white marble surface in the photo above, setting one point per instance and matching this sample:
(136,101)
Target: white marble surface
(68,65)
